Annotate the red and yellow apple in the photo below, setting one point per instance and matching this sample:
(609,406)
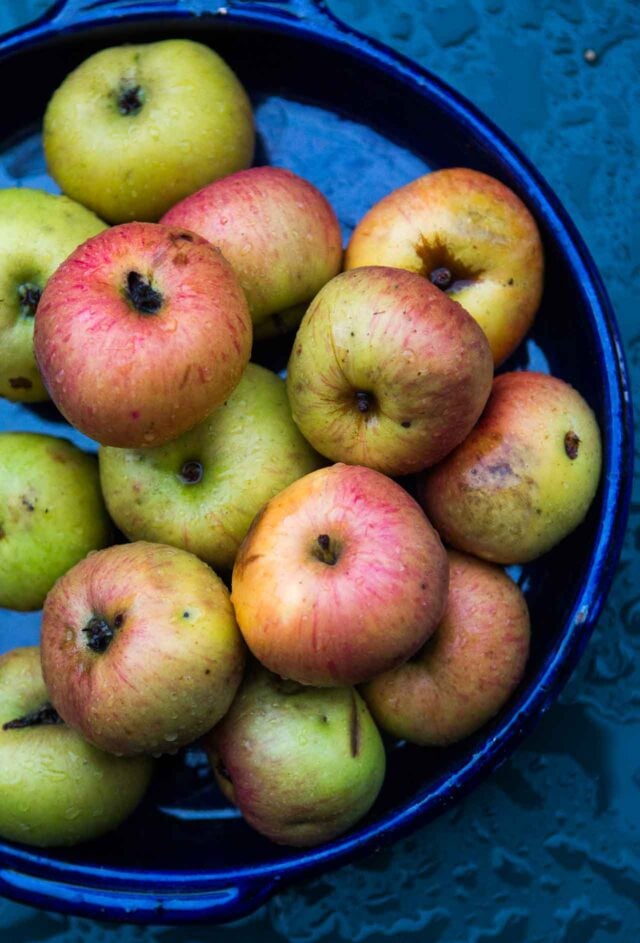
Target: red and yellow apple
(387,371)
(467,670)
(141,333)
(140,648)
(524,478)
(469,235)
(278,232)
(302,764)
(340,577)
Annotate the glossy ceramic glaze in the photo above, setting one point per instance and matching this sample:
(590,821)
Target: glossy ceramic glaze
(357,120)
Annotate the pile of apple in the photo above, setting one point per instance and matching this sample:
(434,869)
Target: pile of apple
(141,334)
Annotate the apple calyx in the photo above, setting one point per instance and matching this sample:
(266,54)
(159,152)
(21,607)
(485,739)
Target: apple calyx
(45,715)
(572,444)
(142,295)
(364,401)
(130,99)
(28,296)
(441,277)
(100,634)
(191,473)
(326,550)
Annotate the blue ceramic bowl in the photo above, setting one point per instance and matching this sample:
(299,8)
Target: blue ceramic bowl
(357,120)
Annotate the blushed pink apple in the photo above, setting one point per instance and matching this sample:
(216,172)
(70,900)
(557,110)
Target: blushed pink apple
(279,233)
(140,648)
(469,667)
(340,577)
(301,764)
(387,371)
(472,237)
(141,333)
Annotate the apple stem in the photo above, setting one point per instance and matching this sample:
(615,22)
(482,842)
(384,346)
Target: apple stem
(142,295)
(441,277)
(363,401)
(99,634)
(29,296)
(325,552)
(45,715)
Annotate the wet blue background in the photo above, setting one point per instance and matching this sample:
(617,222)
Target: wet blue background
(548,850)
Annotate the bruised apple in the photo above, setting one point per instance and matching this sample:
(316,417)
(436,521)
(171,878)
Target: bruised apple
(340,577)
(524,478)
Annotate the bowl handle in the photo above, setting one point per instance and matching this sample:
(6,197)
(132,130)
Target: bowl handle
(107,902)
(76,11)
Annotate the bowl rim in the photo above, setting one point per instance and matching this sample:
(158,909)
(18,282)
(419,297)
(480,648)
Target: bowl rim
(258,881)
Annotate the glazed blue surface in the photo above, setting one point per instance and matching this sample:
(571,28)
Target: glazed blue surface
(291,131)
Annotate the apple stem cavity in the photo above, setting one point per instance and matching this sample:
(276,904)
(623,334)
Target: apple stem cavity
(325,550)
(130,99)
(42,716)
(191,472)
(29,296)
(141,294)
(441,277)
(99,634)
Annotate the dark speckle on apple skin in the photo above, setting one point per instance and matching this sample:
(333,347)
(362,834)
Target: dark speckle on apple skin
(20,383)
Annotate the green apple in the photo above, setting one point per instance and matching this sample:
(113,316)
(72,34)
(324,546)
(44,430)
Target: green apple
(202,491)
(51,514)
(37,232)
(136,128)
(55,788)
(302,764)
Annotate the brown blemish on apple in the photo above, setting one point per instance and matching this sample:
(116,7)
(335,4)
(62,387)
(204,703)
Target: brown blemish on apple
(572,444)
(406,424)
(354,727)
(181,259)
(45,715)
(24,500)
(20,383)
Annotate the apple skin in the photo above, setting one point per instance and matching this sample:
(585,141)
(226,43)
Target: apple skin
(276,229)
(131,377)
(340,577)
(524,478)
(387,371)
(51,514)
(55,788)
(248,450)
(302,764)
(140,648)
(468,669)
(478,229)
(125,162)
(37,232)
